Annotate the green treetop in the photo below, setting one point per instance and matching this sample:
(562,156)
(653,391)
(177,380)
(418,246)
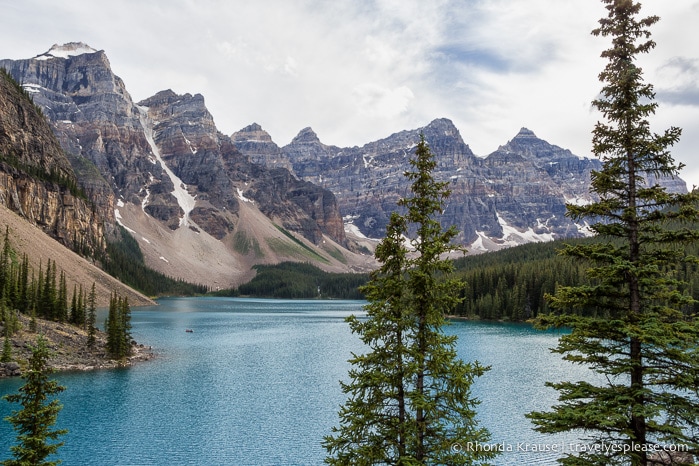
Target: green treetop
(641,338)
(34,422)
(410,397)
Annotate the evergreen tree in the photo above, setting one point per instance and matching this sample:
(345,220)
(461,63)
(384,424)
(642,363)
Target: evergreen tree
(5,262)
(125,324)
(91,318)
(74,306)
(80,309)
(77,307)
(409,396)
(23,285)
(7,332)
(118,327)
(112,327)
(641,341)
(34,422)
(6,348)
(61,305)
(46,300)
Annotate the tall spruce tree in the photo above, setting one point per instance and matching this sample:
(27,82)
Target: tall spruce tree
(91,317)
(37,439)
(642,340)
(118,327)
(410,399)
(62,299)
(112,327)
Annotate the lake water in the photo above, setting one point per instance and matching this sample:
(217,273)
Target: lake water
(256,383)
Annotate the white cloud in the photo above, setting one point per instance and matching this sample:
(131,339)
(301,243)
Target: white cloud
(359,70)
(377,101)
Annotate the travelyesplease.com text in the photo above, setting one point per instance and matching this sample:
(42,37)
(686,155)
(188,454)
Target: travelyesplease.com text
(566,447)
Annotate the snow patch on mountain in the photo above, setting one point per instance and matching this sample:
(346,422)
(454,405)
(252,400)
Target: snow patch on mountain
(185,200)
(117,216)
(242,197)
(70,49)
(513,237)
(32,88)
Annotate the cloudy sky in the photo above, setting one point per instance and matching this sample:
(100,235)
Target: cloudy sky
(359,70)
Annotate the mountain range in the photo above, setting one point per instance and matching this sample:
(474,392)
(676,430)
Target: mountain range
(206,207)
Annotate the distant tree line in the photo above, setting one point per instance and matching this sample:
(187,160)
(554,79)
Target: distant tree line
(292,280)
(512,284)
(52,175)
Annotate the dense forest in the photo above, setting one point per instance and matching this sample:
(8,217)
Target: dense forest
(41,296)
(44,295)
(510,284)
(290,280)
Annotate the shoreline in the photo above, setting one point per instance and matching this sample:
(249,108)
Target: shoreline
(69,350)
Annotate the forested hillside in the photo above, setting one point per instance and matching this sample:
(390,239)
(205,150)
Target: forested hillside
(291,280)
(511,284)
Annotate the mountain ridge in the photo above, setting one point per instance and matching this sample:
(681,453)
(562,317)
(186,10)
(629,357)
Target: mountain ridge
(165,156)
(193,196)
(515,194)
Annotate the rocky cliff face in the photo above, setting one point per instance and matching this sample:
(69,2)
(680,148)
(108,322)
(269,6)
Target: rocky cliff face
(220,176)
(36,178)
(257,144)
(515,195)
(165,156)
(93,117)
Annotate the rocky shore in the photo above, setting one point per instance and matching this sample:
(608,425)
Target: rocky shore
(69,349)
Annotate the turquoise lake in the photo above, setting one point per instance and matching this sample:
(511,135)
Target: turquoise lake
(256,383)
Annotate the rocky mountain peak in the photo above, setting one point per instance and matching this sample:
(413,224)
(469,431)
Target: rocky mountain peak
(166,96)
(169,97)
(306,136)
(526,144)
(445,126)
(306,146)
(525,133)
(71,49)
(190,108)
(257,144)
(252,133)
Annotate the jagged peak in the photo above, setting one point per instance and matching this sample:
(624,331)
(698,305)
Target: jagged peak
(168,96)
(445,127)
(525,133)
(252,127)
(70,49)
(442,123)
(253,132)
(165,96)
(306,136)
